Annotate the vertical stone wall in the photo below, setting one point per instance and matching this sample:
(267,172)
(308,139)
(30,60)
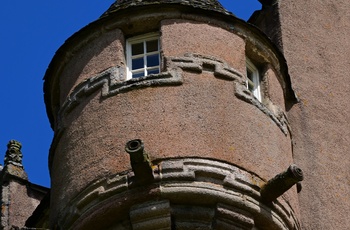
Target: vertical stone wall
(315,37)
(19,197)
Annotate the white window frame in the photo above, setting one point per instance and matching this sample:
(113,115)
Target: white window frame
(138,39)
(253,84)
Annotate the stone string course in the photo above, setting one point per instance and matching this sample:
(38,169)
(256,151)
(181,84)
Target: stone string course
(194,194)
(113,81)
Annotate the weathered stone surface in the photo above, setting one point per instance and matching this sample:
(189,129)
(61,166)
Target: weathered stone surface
(11,172)
(315,37)
(19,199)
(205,201)
(151,215)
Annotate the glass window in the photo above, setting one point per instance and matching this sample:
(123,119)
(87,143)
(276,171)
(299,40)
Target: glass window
(143,55)
(253,80)
(137,48)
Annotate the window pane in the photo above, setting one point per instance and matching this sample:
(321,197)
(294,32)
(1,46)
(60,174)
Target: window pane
(138,74)
(153,71)
(137,63)
(137,48)
(251,85)
(249,74)
(152,46)
(153,60)
(251,80)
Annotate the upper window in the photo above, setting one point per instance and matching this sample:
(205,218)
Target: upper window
(143,55)
(253,80)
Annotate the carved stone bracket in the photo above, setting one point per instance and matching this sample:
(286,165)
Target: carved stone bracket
(191,192)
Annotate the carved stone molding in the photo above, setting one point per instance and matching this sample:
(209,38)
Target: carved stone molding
(228,216)
(188,193)
(113,81)
(151,215)
(278,116)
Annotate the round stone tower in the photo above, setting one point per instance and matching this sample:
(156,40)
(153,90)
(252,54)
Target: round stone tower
(170,114)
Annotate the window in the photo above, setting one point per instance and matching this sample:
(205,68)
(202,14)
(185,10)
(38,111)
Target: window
(253,80)
(143,56)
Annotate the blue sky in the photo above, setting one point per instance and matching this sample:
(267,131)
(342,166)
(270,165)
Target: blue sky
(31,32)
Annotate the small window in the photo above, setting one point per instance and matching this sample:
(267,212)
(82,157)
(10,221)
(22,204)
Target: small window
(253,80)
(143,55)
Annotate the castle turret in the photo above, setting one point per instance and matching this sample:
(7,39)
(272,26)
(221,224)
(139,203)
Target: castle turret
(170,115)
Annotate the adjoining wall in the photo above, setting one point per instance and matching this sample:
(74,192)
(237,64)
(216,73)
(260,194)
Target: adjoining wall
(315,36)
(198,106)
(19,197)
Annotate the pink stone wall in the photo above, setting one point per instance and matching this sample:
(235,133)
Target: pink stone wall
(201,118)
(184,36)
(316,45)
(92,57)
(274,88)
(22,203)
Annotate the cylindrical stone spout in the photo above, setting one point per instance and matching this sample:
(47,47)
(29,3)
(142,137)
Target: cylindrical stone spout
(136,150)
(140,162)
(281,183)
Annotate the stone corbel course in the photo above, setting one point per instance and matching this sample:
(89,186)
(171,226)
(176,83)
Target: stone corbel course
(190,193)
